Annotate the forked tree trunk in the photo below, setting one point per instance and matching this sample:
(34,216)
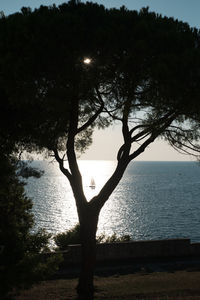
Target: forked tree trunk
(88,228)
(88,217)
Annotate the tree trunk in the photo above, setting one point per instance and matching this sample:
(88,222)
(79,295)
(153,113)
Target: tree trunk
(88,227)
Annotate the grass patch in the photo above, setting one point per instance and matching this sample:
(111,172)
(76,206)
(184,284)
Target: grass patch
(164,285)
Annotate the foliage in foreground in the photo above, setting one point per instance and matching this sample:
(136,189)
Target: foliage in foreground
(72,236)
(21,259)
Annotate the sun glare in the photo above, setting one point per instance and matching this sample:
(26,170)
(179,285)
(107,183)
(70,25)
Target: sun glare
(87,61)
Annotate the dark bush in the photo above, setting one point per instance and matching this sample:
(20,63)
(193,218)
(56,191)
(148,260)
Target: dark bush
(72,236)
(21,259)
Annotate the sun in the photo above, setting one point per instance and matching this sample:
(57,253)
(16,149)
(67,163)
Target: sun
(87,60)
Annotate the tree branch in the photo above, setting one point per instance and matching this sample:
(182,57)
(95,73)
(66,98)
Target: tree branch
(155,133)
(94,117)
(123,161)
(61,165)
(173,143)
(76,179)
(182,151)
(125,148)
(110,185)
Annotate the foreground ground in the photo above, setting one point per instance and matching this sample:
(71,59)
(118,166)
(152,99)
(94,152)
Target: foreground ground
(169,285)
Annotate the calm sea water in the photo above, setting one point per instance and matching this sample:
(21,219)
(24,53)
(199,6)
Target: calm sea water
(154,200)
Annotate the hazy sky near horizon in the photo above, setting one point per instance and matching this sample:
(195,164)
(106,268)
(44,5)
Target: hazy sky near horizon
(106,143)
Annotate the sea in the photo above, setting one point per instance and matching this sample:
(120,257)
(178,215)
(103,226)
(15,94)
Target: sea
(153,201)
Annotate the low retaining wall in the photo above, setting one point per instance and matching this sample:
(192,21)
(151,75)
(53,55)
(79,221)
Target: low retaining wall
(143,249)
(137,249)
(195,249)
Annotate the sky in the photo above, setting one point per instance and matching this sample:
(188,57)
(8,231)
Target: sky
(106,142)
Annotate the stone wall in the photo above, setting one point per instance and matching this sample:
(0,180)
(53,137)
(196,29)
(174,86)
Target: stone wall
(137,249)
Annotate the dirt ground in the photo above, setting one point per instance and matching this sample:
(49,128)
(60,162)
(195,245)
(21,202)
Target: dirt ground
(174,280)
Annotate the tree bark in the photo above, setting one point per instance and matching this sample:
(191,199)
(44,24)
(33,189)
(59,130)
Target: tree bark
(88,228)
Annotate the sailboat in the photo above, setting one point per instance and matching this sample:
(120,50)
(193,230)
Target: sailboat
(92,184)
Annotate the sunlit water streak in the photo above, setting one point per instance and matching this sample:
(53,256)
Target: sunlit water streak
(154,200)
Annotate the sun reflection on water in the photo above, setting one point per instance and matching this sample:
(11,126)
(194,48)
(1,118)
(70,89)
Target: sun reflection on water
(145,204)
(54,204)
(99,171)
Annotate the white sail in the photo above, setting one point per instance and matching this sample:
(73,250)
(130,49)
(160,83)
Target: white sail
(92,183)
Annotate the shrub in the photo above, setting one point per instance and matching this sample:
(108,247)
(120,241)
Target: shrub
(72,236)
(64,239)
(113,238)
(21,259)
